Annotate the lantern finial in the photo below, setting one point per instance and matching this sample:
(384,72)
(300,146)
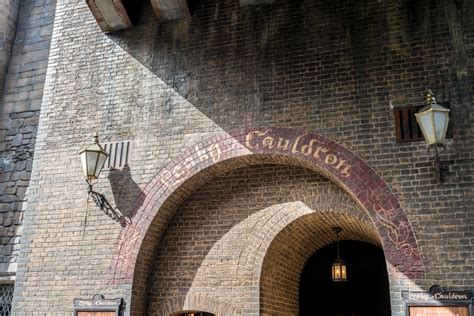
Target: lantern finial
(96,138)
(430,97)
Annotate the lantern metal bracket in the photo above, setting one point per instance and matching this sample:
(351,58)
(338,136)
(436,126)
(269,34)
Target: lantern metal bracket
(337,230)
(440,169)
(105,206)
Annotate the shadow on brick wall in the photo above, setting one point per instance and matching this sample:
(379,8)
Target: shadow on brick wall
(127,194)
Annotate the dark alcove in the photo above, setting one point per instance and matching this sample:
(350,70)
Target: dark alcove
(365,293)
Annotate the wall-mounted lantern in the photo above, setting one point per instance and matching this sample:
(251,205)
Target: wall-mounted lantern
(93,158)
(434,120)
(339,268)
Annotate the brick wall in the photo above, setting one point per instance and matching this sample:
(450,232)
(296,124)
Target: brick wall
(333,67)
(25,71)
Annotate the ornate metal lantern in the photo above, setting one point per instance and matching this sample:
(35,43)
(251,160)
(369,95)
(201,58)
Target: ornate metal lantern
(433,120)
(339,268)
(93,159)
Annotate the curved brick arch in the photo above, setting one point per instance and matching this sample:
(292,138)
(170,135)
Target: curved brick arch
(291,247)
(261,145)
(195,302)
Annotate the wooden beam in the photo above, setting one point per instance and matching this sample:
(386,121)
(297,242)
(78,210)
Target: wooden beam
(254,2)
(109,14)
(167,10)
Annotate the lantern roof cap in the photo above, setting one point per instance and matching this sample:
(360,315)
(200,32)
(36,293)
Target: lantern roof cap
(432,104)
(433,107)
(95,146)
(338,260)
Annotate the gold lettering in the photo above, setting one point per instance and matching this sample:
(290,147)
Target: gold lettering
(166,176)
(201,153)
(340,164)
(307,149)
(295,145)
(345,171)
(215,152)
(268,142)
(346,167)
(284,146)
(190,160)
(179,171)
(319,150)
(330,159)
(249,137)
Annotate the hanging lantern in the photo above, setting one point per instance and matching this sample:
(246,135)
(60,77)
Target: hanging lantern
(93,159)
(339,268)
(433,120)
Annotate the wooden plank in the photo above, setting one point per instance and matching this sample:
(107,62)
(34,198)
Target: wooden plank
(110,15)
(438,311)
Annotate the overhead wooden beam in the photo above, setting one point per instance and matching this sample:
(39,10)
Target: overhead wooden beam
(254,2)
(167,10)
(110,15)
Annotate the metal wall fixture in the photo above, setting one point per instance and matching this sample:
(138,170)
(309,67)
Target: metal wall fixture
(339,268)
(93,158)
(434,120)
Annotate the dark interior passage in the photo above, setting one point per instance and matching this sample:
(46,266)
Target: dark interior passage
(365,293)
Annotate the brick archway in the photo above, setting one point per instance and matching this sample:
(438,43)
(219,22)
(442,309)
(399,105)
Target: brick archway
(227,151)
(194,302)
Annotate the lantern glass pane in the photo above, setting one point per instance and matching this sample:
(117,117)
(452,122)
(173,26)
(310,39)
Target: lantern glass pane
(343,272)
(100,164)
(425,120)
(441,121)
(335,272)
(84,163)
(92,159)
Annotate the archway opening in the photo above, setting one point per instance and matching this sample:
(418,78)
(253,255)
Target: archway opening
(194,314)
(365,293)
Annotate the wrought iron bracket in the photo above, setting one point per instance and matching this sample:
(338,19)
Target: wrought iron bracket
(440,169)
(105,206)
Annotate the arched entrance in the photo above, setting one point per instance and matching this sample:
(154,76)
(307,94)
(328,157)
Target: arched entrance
(365,293)
(226,152)
(290,251)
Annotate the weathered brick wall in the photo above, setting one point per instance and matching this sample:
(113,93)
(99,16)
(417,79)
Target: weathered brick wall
(333,67)
(25,72)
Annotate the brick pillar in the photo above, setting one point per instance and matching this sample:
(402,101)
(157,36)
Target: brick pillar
(9,10)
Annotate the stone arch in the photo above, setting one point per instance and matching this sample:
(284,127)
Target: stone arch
(195,302)
(227,151)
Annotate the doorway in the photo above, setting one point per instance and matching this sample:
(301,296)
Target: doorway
(365,293)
